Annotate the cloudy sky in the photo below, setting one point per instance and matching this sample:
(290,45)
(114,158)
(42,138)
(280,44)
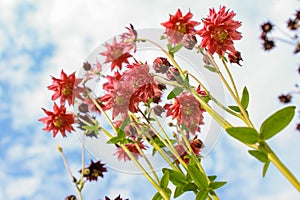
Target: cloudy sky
(39,38)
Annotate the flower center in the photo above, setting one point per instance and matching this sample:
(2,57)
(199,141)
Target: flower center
(180,27)
(119,100)
(188,110)
(117,53)
(58,122)
(66,91)
(222,35)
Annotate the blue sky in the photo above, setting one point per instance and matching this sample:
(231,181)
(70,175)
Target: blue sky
(38,38)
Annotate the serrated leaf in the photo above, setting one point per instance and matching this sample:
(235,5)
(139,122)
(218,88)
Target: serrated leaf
(202,195)
(210,68)
(246,135)
(198,177)
(176,177)
(276,122)
(164,181)
(235,108)
(178,191)
(217,184)
(174,93)
(245,98)
(212,178)
(265,169)
(259,155)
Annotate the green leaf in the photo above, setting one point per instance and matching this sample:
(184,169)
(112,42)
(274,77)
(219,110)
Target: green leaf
(246,135)
(178,191)
(210,68)
(190,187)
(217,184)
(174,93)
(245,98)
(113,140)
(235,108)
(169,47)
(176,177)
(212,178)
(176,48)
(198,177)
(276,122)
(202,195)
(121,133)
(157,196)
(164,181)
(259,155)
(265,169)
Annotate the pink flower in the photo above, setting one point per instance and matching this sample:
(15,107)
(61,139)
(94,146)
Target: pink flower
(66,88)
(121,154)
(116,54)
(196,146)
(178,26)
(128,39)
(58,120)
(219,31)
(126,91)
(188,112)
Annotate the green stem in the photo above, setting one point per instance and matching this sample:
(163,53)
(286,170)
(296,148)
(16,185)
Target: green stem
(282,168)
(148,162)
(156,186)
(213,98)
(235,97)
(231,79)
(70,173)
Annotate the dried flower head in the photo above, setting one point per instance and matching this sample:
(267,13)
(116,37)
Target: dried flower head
(94,170)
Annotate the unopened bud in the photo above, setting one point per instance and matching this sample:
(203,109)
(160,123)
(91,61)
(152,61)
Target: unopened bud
(158,110)
(189,41)
(59,148)
(86,66)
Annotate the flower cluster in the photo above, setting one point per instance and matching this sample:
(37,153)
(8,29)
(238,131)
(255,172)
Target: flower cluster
(159,105)
(66,89)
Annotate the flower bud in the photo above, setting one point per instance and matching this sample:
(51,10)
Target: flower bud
(189,41)
(172,73)
(161,65)
(71,197)
(83,108)
(158,110)
(86,66)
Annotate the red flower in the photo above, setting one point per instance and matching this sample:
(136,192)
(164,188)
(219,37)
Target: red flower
(219,31)
(58,120)
(126,91)
(132,148)
(188,112)
(116,54)
(66,88)
(178,26)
